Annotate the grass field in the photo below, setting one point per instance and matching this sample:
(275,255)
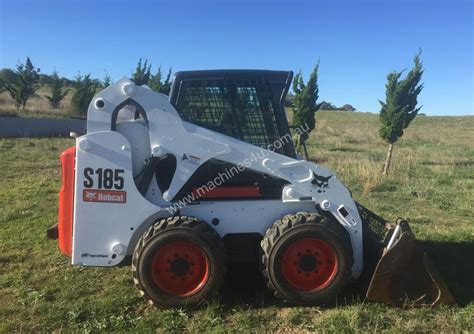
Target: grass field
(37,106)
(431,184)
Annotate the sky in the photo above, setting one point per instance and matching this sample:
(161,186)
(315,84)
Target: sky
(356,42)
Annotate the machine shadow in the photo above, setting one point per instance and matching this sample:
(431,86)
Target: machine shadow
(245,286)
(454,263)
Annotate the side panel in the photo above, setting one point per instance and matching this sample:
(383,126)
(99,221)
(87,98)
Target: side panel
(108,207)
(249,216)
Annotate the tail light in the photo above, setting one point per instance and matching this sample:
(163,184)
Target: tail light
(66,200)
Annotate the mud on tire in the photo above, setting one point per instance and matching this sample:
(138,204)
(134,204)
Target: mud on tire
(178,261)
(306,258)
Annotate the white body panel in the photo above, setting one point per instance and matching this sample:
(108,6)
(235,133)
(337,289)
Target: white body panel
(105,232)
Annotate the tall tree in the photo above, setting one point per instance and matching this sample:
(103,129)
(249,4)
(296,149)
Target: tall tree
(57,93)
(24,83)
(85,91)
(142,73)
(158,84)
(400,106)
(107,81)
(305,105)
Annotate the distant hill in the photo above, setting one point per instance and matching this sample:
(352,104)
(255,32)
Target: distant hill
(324,105)
(329,106)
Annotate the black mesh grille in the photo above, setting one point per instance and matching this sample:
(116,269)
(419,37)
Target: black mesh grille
(373,223)
(241,109)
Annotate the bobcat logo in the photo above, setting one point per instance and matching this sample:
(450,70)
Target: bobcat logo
(90,195)
(320,182)
(104,196)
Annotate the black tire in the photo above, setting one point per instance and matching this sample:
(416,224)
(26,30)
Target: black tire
(164,258)
(324,263)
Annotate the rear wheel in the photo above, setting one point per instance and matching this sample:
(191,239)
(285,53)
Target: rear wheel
(306,258)
(179,261)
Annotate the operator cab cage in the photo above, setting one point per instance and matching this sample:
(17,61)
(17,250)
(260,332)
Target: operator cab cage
(244,104)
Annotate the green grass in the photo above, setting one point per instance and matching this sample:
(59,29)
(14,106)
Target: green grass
(431,184)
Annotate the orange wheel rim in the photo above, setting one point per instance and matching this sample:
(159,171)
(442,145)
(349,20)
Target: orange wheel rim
(180,268)
(309,264)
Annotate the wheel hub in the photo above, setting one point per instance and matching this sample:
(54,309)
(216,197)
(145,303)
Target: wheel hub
(309,264)
(180,268)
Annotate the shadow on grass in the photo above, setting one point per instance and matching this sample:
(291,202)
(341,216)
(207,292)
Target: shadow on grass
(244,285)
(345,149)
(455,264)
(318,160)
(447,163)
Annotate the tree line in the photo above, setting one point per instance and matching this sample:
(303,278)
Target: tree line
(396,113)
(23,82)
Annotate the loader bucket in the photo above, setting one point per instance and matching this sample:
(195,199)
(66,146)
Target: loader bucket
(405,275)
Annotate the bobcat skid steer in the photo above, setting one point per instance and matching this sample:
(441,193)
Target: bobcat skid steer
(178,186)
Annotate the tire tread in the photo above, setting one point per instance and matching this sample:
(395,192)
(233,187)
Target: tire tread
(283,225)
(176,222)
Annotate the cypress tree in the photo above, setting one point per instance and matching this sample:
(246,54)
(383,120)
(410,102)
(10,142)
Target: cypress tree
(142,73)
(24,83)
(158,84)
(107,81)
(85,91)
(57,93)
(400,106)
(143,76)
(305,105)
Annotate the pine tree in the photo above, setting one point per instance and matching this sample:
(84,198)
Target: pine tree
(107,81)
(155,80)
(142,73)
(143,76)
(158,84)
(57,93)
(24,83)
(400,106)
(85,91)
(305,106)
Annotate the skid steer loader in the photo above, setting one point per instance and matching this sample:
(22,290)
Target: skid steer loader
(180,185)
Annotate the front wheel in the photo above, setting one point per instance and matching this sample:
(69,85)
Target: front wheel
(306,258)
(179,261)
